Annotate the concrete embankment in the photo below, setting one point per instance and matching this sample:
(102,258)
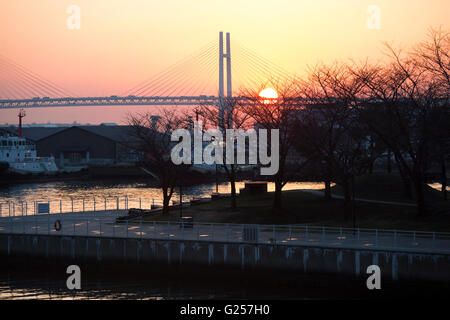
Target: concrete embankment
(396,265)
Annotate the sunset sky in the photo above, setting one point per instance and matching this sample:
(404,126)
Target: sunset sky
(123,42)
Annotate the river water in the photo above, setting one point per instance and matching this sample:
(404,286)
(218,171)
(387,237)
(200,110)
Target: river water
(65,196)
(21,281)
(16,283)
(92,195)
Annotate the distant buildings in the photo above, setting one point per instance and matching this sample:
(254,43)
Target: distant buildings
(78,146)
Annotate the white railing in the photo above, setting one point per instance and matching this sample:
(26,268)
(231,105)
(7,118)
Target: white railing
(314,236)
(72,205)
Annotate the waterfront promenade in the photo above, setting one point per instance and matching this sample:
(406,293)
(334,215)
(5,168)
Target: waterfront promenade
(103,224)
(100,238)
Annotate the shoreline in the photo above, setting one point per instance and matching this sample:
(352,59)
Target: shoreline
(86,176)
(224,282)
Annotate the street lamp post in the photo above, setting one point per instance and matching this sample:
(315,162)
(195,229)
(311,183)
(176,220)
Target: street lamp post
(217,181)
(353,198)
(181,198)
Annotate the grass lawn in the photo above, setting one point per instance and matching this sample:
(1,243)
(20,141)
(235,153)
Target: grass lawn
(385,187)
(304,208)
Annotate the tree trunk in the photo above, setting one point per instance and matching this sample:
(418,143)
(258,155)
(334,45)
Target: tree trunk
(277,204)
(347,198)
(233,191)
(371,162)
(347,193)
(407,187)
(406,180)
(389,162)
(444,178)
(420,195)
(328,177)
(327,189)
(166,200)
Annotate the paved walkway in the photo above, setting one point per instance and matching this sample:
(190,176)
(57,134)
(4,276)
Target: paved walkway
(103,224)
(321,193)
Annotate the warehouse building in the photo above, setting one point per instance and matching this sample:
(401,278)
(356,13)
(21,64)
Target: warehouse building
(77,146)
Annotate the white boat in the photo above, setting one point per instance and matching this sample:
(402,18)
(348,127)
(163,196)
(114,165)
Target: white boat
(21,156)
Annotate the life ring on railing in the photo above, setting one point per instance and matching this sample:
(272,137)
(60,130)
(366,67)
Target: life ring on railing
(57,225)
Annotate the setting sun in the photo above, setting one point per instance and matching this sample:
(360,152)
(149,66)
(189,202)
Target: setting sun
(269,94)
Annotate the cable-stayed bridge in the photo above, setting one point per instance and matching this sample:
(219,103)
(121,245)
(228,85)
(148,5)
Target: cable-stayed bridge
(191,81)
(107,101)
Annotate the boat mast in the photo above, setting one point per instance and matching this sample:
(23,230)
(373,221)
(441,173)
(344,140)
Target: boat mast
(21,115)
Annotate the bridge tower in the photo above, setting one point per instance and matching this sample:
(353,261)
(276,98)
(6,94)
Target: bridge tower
(223,105)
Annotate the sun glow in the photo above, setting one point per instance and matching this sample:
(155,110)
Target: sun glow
(269,95)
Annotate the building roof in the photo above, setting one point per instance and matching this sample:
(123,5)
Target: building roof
(115,133)
(34,133)
(38,133)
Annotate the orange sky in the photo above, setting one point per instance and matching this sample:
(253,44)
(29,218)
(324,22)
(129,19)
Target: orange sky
(123,42)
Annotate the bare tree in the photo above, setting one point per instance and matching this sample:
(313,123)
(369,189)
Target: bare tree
(279,113)
(433,56)
(153,134)
(439,149)
(407,96)
(233,119)
(330,127)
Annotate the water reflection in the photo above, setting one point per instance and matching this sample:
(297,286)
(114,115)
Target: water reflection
(81,196)
(23,285)
(44,289)
(99,189)
(438,186)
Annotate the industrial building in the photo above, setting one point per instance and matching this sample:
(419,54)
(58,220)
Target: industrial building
(77,146)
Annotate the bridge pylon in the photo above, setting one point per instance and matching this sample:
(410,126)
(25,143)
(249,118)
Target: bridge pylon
(224,103)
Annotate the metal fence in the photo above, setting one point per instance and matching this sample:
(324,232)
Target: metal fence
(72,205)
(108,226)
